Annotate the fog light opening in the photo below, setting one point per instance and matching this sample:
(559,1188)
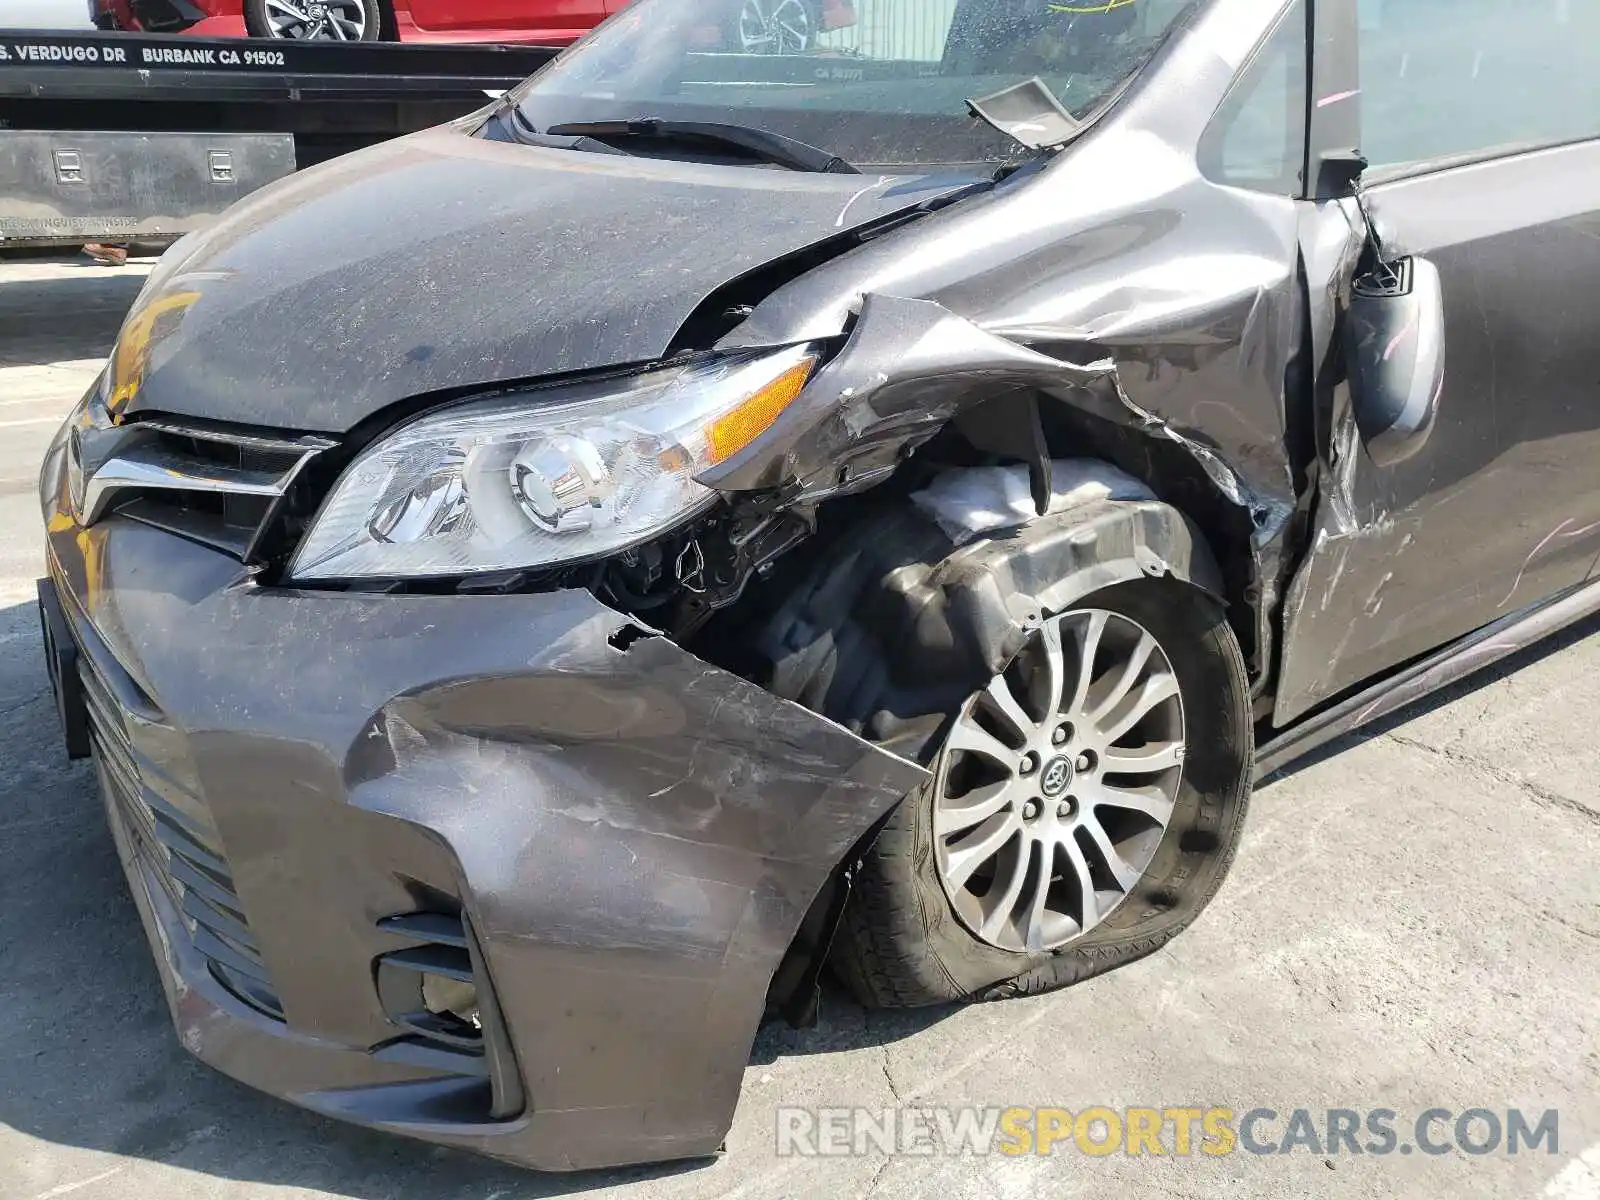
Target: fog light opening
(455,998)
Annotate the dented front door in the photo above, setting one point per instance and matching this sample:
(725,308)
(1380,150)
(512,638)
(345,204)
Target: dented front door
(1485,498)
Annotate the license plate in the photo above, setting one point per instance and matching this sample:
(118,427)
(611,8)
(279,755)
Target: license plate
(61,661)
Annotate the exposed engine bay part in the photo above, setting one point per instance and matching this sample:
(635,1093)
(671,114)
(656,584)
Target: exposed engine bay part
(682,581)
(1184,294)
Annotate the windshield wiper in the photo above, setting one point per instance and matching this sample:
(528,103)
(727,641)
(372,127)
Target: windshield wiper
(758,143)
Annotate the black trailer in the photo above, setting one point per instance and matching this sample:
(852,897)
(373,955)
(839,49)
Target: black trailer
(124,137)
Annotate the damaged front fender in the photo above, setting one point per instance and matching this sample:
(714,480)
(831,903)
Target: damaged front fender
(908,368)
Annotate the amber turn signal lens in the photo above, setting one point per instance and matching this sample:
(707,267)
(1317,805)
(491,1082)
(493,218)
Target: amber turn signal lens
(743,424)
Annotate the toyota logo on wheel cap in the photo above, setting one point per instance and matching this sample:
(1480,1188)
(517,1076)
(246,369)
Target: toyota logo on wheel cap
(1056,777)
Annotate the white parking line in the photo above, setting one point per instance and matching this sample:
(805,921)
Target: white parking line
(55,420)
(67,1188)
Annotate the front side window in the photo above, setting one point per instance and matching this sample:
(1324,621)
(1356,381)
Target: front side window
(1257,139)
(1449,78)
(881,83)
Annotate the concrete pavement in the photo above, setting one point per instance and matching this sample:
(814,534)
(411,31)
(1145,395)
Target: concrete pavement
(1413,922)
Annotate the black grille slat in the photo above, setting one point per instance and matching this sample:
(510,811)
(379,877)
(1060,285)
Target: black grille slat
(181,849)
(103,709)
(214,452)
(185,822)
(198,517)
(193,853)
(229,955)
(217,488)
(124,698)
(435,960)
(147,851)
(475,1043)
(182,825)
(442,928)
(228,926)
(249,990)
(442,1029)
(117,759)
(420,1052)
(168,824)
(195,880)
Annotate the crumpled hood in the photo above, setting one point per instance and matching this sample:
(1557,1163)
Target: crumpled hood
(444,261)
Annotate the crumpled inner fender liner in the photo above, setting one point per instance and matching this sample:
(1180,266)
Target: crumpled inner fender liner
(897,626)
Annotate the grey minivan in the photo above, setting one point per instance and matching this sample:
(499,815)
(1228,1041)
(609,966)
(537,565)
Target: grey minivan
(539,592)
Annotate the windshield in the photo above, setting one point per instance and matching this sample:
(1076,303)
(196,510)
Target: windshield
(881,83)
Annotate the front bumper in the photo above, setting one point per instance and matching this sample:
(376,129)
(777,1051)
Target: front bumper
(631,834)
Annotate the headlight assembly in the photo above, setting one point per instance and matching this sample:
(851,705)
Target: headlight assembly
(541,478)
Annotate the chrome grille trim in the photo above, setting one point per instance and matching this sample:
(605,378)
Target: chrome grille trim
(248,441)
(190,479)
(146,467)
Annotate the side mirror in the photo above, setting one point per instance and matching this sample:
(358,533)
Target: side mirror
(1394,356)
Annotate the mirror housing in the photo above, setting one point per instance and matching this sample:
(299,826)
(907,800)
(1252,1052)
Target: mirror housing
(1395,357)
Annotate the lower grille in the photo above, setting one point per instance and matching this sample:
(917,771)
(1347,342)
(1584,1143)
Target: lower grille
(172,834)
(438,990)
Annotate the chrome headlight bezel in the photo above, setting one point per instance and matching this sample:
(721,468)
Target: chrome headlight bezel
(547,477)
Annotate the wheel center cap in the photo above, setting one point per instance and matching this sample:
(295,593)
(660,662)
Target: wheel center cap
(1056,777)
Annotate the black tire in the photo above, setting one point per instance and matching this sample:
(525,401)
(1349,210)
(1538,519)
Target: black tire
(900,943)
(374,18)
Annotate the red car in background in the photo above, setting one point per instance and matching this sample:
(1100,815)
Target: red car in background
(759,26)
(555,22)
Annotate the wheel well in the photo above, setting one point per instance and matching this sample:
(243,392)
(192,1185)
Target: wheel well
(825,626)
(1167,467)
(1173,473)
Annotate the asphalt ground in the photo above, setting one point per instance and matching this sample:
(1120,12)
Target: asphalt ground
(1413,923)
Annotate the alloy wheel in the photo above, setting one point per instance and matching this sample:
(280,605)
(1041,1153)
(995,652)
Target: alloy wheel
(1057,782)
(775,27)
(317,20)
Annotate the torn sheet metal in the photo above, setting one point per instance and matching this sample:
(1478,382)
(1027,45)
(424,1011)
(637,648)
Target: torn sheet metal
(1121,282)
(968,501)
(909,367)
(1119,257)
